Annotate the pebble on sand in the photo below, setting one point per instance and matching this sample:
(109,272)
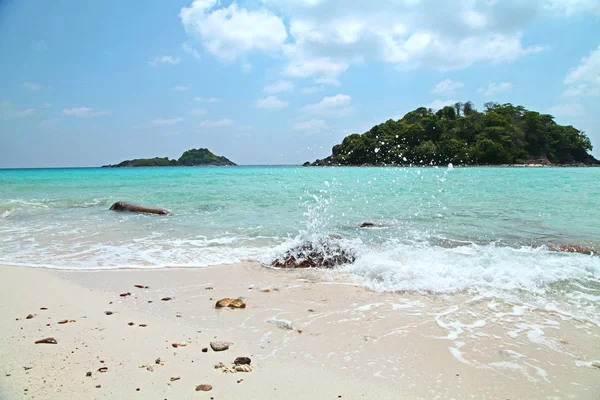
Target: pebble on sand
(242,361)
(243,368)
(141,286)
(175,378)
(108,312)
(203,388)
(166,298)
(103,369)
(29,316)
(219,346)
(64,321)
(231,303)
(49,340)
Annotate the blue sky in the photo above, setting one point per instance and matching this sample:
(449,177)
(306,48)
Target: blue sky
(86,83)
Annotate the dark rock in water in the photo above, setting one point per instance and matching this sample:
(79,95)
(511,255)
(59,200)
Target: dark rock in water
(132,207)
(367,224)
(572,248)
(326,252)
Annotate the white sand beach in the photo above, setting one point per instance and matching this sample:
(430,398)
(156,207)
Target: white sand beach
(309,334)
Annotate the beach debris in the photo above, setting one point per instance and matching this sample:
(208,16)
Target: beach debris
(29,316)
(595,364)
(175,345)
(123,206)
(108,312)
(157,361)
(175,378)
(367,224)
(204,388)
(98,386)
(27,368)
(243,368)
(43,308)
(131,323)
(281,323)
(242,360)
(219,346)
(125,294)
(311,310)
(231,303)
(299,330)
(103,369)
(137,389)
(49,340)
(205,349)
(266,290)
(72,320)
(64,321)
(143,325)
(150,368)
(325,252)
(88,374)
(141,287)
(208,288)
(166,298)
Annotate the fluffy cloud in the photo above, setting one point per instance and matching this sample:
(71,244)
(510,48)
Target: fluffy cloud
(231,32)
(570,7)
(496,88)
(279,87)
(84,112)
(164,60)
(31,86)
(313,125)
(338,105)
(167,121)
(185,46)
(439,104)
(584,80)
(217,123)
(567,110)
(447,87)
(271,103)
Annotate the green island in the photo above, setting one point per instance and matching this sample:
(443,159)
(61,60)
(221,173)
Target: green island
(501,134)
(190,158)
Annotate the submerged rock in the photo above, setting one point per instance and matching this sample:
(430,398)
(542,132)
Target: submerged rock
(571,248)
(123,206)
(327,252)
(367,224)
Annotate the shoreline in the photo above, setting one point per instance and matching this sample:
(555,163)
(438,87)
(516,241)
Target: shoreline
(310,334)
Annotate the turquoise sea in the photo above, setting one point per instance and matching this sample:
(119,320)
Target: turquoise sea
(442,229)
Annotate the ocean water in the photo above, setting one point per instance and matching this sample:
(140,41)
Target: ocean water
(443,230)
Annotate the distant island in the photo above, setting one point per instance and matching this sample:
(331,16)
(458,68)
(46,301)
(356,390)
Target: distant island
(459,134)
(191,158)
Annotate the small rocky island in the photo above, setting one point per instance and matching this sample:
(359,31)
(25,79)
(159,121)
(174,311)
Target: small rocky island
(190,158)
(501,134)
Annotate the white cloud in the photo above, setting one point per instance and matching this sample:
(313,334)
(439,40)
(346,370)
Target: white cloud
(279,87)
(313,125)
(328,81)
(167,121)
(217,123)
(198,111)
(180,88)
(306,68)
(207,99)
(447,87)
(164,60)
(190,50)
(496,88)
(31,86)
(84,112)
(271,103)
(567,110)
(333,105)
(8,112)
(570,7)
(439,104)
(584,80)
(230,32)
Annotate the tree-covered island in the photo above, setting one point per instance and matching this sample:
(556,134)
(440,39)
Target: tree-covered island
(459,134)
(190,158)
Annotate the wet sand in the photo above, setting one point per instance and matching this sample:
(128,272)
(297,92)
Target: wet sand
(309,335)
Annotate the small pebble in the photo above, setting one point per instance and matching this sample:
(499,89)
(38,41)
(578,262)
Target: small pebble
(103,369)
(143,325)
(166,298)
(205,350)
(98,386)
(203,388)
(242,361)
(108,312)
(131,323)
(219,346)
(29,316)
(89,373)
(175,378)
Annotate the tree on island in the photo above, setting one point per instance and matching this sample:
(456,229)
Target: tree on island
(501,134)
(190,158)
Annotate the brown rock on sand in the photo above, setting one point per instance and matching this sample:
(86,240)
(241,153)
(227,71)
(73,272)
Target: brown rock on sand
(231,303)
(49,340)
(203,388)
(219,346)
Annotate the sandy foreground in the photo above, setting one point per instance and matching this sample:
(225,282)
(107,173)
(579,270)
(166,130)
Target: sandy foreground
(309,334)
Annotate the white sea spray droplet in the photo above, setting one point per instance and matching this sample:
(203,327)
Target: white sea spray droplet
(450,167)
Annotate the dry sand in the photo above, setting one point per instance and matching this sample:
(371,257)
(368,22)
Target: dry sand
(310,335)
